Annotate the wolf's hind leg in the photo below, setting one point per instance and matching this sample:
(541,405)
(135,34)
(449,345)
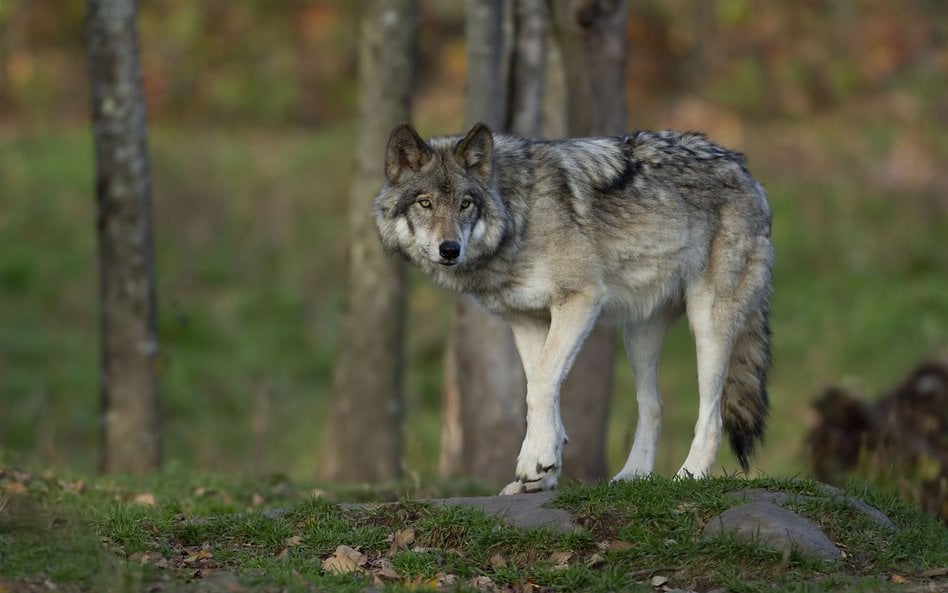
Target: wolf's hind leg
(540,460)
(643,343)
(718,305)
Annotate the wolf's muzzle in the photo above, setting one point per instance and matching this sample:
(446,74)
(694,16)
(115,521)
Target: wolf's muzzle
(449,250)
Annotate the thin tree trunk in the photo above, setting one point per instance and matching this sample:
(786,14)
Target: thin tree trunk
(129,345)
(482,404)
(593,45)
(363,438)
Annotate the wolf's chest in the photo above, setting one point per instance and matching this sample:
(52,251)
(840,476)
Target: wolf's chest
(532,290)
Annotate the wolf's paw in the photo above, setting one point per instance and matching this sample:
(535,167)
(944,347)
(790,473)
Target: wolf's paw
(630,474)
(518,486)
(539,463)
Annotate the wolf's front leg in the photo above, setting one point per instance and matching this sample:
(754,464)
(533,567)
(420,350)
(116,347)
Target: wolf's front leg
(540,460)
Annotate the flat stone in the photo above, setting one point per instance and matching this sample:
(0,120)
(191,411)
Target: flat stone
(784,498)
(527,511)
(773,526)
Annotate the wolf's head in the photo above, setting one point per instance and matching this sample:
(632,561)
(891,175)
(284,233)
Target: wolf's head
(440,207)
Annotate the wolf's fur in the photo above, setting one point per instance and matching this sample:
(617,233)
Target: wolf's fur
(637,229)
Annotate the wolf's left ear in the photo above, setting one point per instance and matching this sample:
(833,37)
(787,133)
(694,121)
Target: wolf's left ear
(406,152)
(475,152)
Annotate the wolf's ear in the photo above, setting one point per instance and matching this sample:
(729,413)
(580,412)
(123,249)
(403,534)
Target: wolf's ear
(475,152)
(406,152)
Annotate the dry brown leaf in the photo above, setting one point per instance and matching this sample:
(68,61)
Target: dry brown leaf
(898,579)
(484,583)
(15,487)
(560,559)
(344,560)
(497,561)
(79,486)
(619,545)
(146,499)
(658,580)
(257,499)
(293,541)
(401,540)
(595,560)
(386,570)
(284,554)
(196,556)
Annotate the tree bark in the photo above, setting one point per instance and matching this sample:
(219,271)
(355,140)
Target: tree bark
(129,346)
(592,39)
(363,437)
(482,402)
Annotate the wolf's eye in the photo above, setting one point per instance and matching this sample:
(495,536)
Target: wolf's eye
(465,203)
(424,203)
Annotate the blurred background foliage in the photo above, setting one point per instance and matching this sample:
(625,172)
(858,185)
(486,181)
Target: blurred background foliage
(841,106)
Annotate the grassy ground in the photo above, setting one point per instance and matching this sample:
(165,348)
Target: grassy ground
(180,531)
(251,233)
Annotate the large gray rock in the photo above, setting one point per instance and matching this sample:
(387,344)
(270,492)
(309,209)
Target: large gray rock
(784,498)
(518,510)
(527,511)
(773,526)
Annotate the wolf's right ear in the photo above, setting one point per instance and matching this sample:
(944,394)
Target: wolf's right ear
(406,152)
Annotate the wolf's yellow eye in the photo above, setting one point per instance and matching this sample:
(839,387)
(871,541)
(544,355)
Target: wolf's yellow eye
(424,203)
(465,204)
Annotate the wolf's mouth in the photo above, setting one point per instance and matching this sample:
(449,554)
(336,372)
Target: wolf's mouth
(447,263)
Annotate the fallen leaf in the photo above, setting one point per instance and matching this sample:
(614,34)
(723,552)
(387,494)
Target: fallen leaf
(344,560)
(15,487)
(293,541)
(79,486)
(898,579)
(497,561)
(257,500)
(386,570)
(595,560)
(560,559)
(658,580)
(197,555)
(618,546)
(146,499)
(284,554)
(401,540)
(483,583)
(445,580)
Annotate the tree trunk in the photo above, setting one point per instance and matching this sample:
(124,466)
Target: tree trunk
(363,438)
(482,405)
(593,46)
(129,345)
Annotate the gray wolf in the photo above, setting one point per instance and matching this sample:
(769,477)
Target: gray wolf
(636,229)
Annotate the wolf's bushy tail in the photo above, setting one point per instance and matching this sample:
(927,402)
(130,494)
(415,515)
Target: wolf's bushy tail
(744,405)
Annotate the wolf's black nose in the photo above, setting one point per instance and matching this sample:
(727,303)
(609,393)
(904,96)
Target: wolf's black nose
(449,249)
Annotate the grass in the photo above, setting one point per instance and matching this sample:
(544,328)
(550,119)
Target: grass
(193,529)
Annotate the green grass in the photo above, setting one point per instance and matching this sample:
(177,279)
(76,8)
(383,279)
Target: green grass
(96,539)
(250,228)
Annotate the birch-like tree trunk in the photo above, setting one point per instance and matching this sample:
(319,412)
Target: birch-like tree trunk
(363,439)
(593,45)
(129,342)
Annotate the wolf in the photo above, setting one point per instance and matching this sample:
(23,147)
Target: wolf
(637,230)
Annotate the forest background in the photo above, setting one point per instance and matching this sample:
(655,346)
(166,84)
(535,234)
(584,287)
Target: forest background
(840,106)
